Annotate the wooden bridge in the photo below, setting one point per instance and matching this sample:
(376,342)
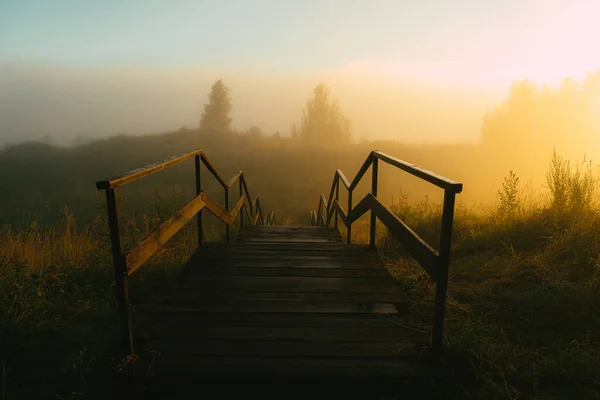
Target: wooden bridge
(282,301)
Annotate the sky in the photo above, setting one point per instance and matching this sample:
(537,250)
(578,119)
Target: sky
(470,47)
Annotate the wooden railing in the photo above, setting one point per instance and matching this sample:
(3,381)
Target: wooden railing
(436,263)
(126,263)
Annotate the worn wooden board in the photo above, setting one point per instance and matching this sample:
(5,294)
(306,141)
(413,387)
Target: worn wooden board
(195,367)
(265,306)
(188,318)
(293,284)
(348,331)
(224,270)
(300,297)
(279,348)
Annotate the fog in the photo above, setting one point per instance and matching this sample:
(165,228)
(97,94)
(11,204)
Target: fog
(62,104)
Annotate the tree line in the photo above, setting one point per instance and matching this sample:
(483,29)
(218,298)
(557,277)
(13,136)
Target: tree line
(322,120)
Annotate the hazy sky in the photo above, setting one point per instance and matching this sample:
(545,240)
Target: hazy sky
(467,46)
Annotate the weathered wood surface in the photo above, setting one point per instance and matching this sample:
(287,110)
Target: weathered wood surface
(282,302)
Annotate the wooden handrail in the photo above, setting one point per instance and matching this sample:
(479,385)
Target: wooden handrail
(431,177)
(138,173)
(126,263)
(435,263)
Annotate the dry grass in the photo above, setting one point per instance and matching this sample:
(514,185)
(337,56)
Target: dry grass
(523,300)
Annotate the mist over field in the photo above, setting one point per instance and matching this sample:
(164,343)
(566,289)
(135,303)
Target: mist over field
(67,104)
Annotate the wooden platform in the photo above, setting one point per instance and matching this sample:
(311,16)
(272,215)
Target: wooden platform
(282,302)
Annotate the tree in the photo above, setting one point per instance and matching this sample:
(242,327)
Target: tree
(542,118)
(322,119)
(294,134)
(216,112)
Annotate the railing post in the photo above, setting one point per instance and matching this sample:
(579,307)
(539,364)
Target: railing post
(241,195)
(349,227)
(199,221)
(227,227)
(120,267)
(337,197)
(441,274)
(319,213)
(374,193)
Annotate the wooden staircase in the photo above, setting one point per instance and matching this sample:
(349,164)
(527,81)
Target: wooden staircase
(282,302)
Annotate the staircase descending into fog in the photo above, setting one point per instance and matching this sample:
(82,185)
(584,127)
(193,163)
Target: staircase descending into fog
(281,301)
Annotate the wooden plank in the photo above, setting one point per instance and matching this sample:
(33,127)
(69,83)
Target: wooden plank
(138,173)
(293,284)
(269,263)
(276,367)
(220,270)
(302,250)
(149,245)
(343,332)
(289,228)
(195,296)
(178,317)
(259,306)
(216,209)
(250,246)
(279,348)
(285,257)
(292,240)
(438,180)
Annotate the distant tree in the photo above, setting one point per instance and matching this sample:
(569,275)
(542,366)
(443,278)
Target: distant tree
(216,112)
(322,119)
(276,135)
(545,117)
(294,133)
(255,132)
(514,121)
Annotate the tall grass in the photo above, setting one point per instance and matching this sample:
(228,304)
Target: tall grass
(59,320)
(524,299)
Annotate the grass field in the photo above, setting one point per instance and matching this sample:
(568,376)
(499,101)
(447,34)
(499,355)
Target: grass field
(524,300)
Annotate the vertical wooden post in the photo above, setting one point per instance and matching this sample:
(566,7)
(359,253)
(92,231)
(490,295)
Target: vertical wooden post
(227,227)
(199,222)
(337,197)
(349,227)
(441,274)
(241,195)
(375,169)
(120,267)
(319,213)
